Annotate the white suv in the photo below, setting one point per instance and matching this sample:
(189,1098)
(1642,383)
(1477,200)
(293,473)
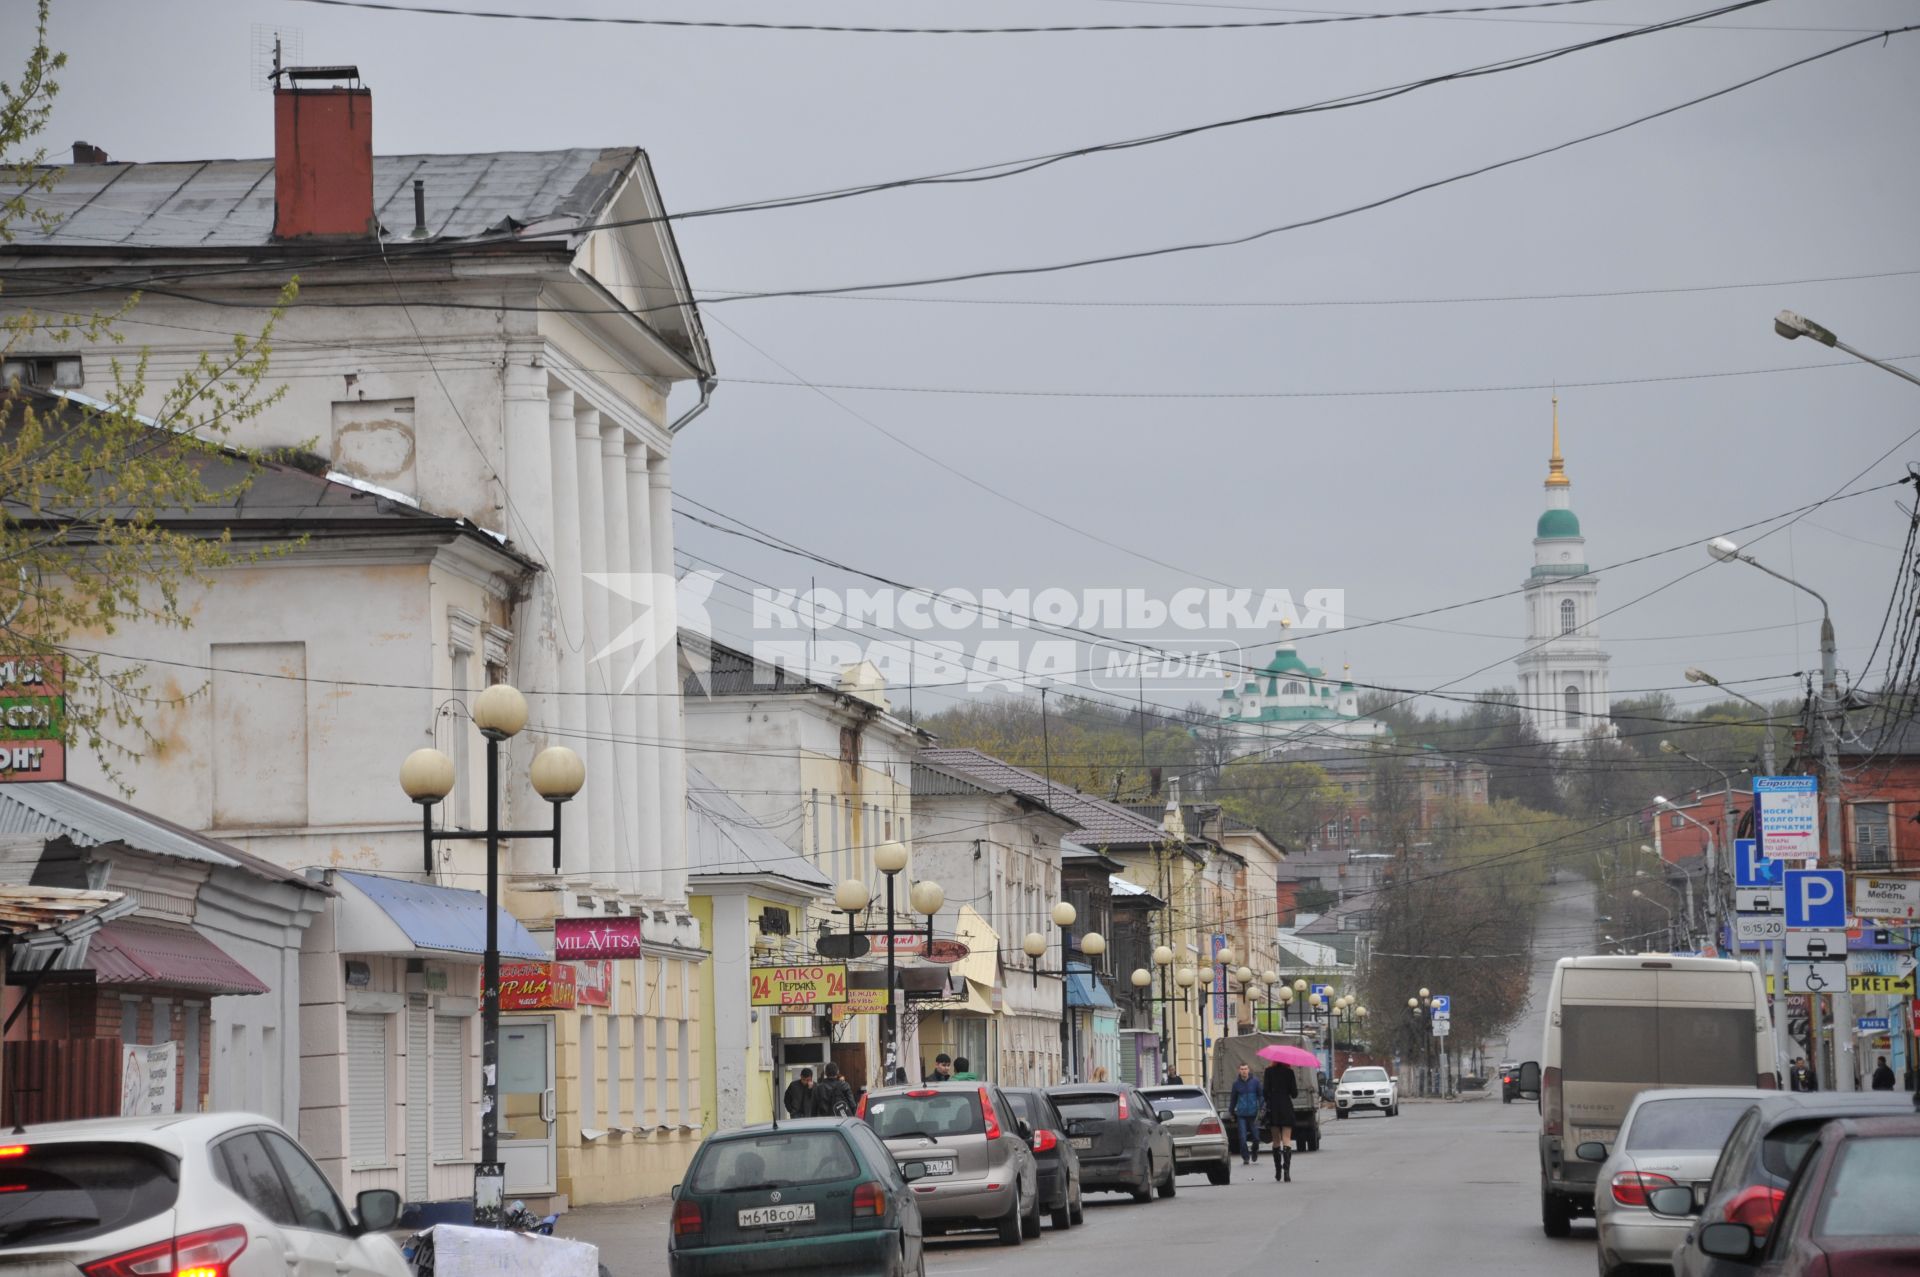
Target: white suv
(213,1194)
(1365,1086)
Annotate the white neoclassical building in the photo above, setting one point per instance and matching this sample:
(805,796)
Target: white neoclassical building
(1563,671)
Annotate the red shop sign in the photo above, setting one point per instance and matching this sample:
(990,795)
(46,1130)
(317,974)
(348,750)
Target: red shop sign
(595,983)
(575,939)
(536,986)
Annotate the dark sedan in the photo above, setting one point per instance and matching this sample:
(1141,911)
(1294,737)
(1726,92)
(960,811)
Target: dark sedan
(1124,1146)
(1055,1161)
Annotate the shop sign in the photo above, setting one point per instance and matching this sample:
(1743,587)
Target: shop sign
(593,982)
(32,719)
(1895,898)
(147,1076)
(905,943)
(578,938)
(947,952)
(799,985)
(862,1002)
(537,986)
(1863,984)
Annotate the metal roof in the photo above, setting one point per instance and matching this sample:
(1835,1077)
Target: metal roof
(380,915)
(140,952)
(1102,824)
(1085,991)
(229,203)
(54,808)
(723,838)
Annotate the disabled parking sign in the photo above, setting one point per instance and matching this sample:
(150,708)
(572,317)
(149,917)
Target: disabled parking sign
(1751,869)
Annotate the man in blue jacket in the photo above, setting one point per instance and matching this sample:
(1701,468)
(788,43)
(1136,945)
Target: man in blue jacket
(1245,1103)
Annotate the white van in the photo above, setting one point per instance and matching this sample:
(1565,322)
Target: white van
(1617,1026)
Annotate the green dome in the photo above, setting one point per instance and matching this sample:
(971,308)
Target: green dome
(1558,524)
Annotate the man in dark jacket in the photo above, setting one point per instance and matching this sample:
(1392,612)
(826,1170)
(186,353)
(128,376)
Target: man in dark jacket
(1281,1087)
(798,1100)
(1800,1077)
(1883,1076)
(1245,1101)
(833,1097)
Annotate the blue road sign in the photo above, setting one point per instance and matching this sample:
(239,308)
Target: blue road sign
(1816,900)
(1875,1023)
(1322,989)
(1442,1004)
(1751,869)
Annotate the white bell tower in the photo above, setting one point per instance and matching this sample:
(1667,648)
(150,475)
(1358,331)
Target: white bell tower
(1563,674)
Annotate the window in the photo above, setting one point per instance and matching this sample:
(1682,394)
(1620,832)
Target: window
(1645,1045)
(45,372)
(1873,1189)
(68,1192)
(589,1099)
(1572,695)
(773,1157)
(245,1166)
(1872,836)
(1566,616)
(449,1102)
(1676,821)
(367,1089)
(1685,1124)
(129,1021)
(314,1205)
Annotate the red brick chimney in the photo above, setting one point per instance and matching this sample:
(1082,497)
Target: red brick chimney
(322,155)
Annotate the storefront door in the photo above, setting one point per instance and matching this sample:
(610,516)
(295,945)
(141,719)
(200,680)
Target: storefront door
(527,1104)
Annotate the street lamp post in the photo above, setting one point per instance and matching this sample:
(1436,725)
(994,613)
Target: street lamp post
(427,777)
(925,898)
(1422,1009)
(1719,887)
(1693,927)
(1300,996)
(1163,958)
(1726,551)
(1639,895)
(1695,674)
(1791,326)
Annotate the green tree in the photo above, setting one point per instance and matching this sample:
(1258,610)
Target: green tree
(1291,801)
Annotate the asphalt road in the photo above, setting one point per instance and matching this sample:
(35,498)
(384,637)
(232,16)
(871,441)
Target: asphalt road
(1444,1188)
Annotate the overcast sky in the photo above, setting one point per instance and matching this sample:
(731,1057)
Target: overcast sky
(1406,500)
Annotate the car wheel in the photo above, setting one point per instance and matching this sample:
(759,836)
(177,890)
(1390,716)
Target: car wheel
(1009,1226)
(1144,1193)
(1556,1214)
(1030,1223)
(1061,1219)
(1221,1174)
(1171,1184)
(1077,1211)
(1342,1114)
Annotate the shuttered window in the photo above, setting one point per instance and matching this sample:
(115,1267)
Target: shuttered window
(449,1087)
(1872,836)
(367,1102)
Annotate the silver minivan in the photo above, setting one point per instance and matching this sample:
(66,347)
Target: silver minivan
(979,1171)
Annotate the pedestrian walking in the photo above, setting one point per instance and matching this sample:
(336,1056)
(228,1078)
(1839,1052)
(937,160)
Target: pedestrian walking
(1800,1077)
(1245,1102)
(1883,1076)
(833,1097)
(1279,1088)
(798,1100)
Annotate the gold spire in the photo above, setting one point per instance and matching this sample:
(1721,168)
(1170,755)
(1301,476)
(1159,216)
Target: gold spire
(1557,468)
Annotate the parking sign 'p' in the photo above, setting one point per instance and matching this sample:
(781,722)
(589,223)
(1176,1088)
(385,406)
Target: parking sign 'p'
(1816,900)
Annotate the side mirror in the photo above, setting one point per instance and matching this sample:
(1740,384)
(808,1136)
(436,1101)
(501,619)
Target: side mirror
(674,1192)
(1164,1115)
(1727,1241)
(1527,1081)
(1671,1203)
(377,1208)
(913,1171)
(1594,1151)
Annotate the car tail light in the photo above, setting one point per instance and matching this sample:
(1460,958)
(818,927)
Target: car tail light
(1755,1206)
(14,1150)
(1506,1077)
(1630,1188)
(988,1116)
(869,1199)
(687,1219)
(1045,1141)
(203,1254)
(922,1094)
(1550,1101)
(1209,1126)
(1122,1114)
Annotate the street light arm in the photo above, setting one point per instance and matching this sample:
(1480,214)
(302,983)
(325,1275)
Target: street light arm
(1826,615)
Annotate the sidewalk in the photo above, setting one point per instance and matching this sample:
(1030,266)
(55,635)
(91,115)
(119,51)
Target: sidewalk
(632,1236)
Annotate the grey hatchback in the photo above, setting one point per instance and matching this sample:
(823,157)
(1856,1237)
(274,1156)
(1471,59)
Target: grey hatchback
(979,1172)
(1124,1145)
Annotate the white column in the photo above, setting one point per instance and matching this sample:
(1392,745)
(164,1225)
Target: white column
(570,705)
(603,784)
(646,692)
(618,665)
(673,758)
(527,517)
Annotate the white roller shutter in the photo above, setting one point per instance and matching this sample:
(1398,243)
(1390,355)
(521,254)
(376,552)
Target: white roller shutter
(367,1102)
(449,1087)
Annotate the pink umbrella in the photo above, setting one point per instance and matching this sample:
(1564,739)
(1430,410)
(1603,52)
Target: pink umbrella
(1281,1053)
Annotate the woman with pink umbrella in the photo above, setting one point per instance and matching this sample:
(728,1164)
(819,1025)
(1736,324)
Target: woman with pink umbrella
(1281,1089)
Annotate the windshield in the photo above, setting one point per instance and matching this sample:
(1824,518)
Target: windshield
(939,1114)
(772,1158)
(1685,1124)
(1182,1100)
(1364,1075)
(68,1192)
(1874,1190)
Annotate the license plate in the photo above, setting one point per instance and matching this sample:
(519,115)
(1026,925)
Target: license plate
(771,1216)
(942,1167)
(1082,1141)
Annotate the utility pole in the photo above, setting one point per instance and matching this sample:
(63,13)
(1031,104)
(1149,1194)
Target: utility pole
(1846,1078)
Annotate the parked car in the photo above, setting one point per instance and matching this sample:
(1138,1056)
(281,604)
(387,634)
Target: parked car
(1750,1179)
(1668,1138)
(1509,1074)
(1199,1134)
(1123,1144)
(980,1172)
(1850,1209)
(226,1193)
(817,1195)
(1366,1086)
(1056,1162)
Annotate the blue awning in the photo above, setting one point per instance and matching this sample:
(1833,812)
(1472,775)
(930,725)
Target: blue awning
(380,915)
(1083,990)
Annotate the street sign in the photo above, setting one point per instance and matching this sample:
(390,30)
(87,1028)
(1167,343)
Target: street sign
(1442,1006)
(1758,899)
(1816,899)
(1875,1024)
(1816,977)
(1816,946)
(1789,808)
(1901,986)
(1442,1027)
(1750,868)
(1869,962)
(1759,926)
(1896,898)
(1322,989)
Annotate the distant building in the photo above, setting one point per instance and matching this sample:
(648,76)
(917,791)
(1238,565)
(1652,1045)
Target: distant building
(1288,700)
(1563,671)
